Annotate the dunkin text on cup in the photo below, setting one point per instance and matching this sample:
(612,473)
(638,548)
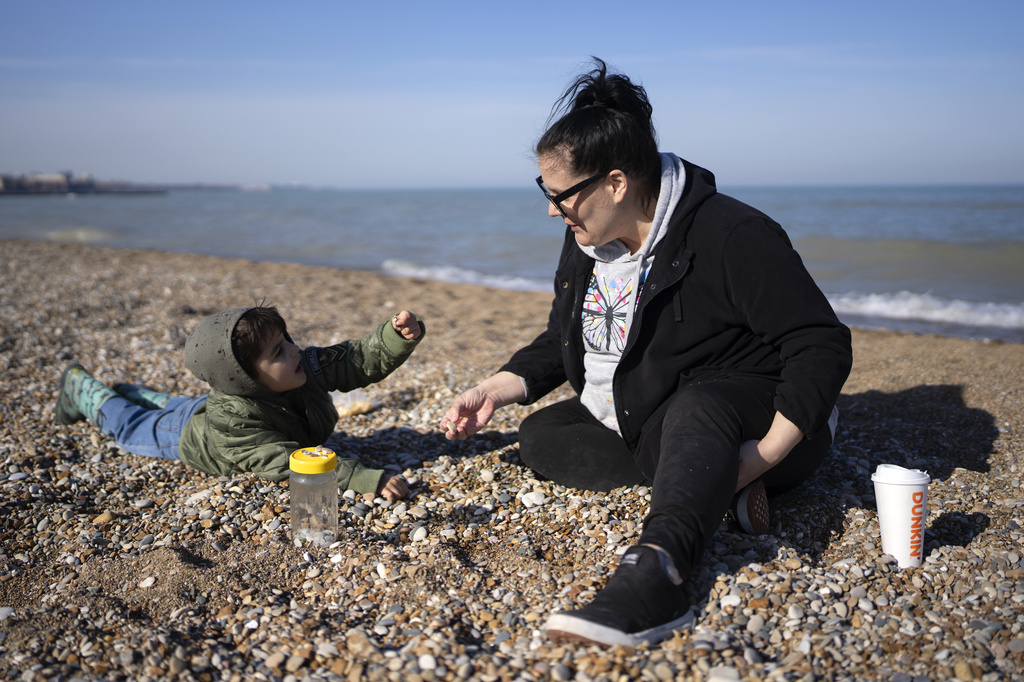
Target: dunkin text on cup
(916,524)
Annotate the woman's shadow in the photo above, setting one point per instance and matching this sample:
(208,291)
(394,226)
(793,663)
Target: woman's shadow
(927,427)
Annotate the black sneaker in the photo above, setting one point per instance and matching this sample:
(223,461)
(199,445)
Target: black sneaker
(640,604)
(750,509)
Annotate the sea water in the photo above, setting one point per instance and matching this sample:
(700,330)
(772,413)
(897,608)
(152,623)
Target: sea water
(935,259)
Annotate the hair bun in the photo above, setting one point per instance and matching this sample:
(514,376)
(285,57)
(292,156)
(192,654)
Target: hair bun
(603,121)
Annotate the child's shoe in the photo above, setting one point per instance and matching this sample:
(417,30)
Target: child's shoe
(750,509)
(143,396)
(640,604)
(81,396)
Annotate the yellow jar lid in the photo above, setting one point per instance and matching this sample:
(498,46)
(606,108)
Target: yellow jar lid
(314,460)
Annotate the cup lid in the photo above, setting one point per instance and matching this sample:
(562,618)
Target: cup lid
(313,460)
(897,475)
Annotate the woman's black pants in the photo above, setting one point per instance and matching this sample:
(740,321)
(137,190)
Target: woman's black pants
(688,451)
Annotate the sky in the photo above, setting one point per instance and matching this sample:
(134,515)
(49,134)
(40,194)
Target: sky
(422,94)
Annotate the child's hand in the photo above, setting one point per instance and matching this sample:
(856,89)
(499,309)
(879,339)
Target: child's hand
(393,488)
(405,324)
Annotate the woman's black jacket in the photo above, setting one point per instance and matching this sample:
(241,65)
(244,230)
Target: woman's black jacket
(726,295)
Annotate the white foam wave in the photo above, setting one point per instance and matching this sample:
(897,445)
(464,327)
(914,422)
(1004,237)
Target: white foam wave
(400,268)
(906,311)
(80,235)
(927,308)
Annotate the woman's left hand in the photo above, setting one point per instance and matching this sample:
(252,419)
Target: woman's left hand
(752,464)
(758,456)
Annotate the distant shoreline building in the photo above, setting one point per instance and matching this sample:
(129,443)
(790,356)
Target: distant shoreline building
(66,182)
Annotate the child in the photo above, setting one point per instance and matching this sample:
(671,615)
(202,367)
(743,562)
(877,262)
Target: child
(268,398)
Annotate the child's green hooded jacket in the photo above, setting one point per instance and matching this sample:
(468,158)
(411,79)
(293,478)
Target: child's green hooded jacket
(246,427)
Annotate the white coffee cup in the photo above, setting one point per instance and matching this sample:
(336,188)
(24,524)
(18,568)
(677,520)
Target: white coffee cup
(902,499)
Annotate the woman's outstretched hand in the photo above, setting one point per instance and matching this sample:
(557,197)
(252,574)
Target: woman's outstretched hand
(474,408)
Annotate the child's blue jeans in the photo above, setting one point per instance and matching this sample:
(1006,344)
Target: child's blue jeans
(145,432)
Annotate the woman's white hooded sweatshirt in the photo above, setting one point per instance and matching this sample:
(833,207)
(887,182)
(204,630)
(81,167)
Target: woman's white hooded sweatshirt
(614,288)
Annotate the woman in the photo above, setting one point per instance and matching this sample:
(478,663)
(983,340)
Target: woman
(705,358)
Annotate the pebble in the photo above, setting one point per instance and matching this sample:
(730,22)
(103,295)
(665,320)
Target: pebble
(104,552)
(561,672)
(664,671)
(275,660)
(534,499)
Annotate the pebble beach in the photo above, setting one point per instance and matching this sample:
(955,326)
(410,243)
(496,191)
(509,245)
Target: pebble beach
(116,567)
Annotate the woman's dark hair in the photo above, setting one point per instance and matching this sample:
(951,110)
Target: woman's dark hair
(251,332)
(604,124)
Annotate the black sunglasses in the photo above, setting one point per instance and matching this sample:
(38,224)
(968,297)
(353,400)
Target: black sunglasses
(557,199)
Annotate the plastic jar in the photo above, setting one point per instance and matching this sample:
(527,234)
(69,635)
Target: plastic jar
(313,488)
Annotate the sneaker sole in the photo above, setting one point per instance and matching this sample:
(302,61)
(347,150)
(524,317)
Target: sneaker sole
(562,627)
(753,514)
